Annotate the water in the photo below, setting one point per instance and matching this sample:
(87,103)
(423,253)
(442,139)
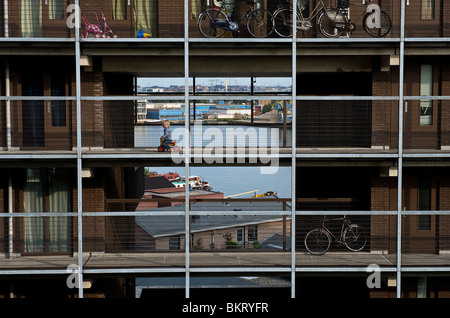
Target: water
(235,180)
(148,136)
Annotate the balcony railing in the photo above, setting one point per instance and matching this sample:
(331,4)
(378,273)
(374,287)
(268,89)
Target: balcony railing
(151,241)
(370,126)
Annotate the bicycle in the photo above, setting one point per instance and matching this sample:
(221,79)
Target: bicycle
(214,22)
(353,236)
(332,22)
(283,20)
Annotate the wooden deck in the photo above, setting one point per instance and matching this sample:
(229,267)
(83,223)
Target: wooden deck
(164,260)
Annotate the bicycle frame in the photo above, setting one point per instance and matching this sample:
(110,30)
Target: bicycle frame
(225,10)
(345,224)
(303,23)
(346,12)
(317,9)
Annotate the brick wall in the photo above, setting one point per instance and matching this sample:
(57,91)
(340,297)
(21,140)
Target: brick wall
(381,110)
(445,18)
(444,204)
(445,106)
(92,120)
(171,18)
(379,224)
(2,106)
(93,227)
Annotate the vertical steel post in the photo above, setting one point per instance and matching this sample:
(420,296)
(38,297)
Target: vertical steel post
(79,163)
(187,150)
(400,147)
(6,18)
(293,143)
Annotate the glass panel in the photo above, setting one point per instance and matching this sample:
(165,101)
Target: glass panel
(56,9)
(31,18)
(32,111)
(426,89)
(119,9)
(145,17)
(422,287)
(240,236)
(196,6)
(424,221)
(34,201)
(59,201)
(58,84)
(427,11)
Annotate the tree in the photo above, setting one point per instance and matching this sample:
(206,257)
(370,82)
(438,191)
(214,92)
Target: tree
(267,108)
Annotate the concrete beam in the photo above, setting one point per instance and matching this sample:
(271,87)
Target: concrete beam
(226,66)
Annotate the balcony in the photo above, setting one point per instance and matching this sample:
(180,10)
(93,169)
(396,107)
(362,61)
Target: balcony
(346,125)
(157,19)
(135,222)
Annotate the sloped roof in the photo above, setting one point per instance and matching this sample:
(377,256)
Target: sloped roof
(165,225)
(157,183)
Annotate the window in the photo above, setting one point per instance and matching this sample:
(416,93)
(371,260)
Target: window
(422,287)
(56,9)
(252,233)
(145,17)
(47,190)
(424,221)
(197,8)
(426,89)
(174,243)
(58,108)
(427,10)
(119,9)
(240,236)
(30,18)
(32,110)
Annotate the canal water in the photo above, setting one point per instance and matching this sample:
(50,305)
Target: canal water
(230,180)
(148,136)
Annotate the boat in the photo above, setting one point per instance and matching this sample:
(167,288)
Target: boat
(195,183)
(171,176)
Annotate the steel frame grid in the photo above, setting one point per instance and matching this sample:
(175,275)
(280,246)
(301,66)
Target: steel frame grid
(294,156)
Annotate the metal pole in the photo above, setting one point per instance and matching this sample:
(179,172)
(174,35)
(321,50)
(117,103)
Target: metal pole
(293,145)
(187,143)
(400,147)
(6,18)
(79,163)
(10,219)
(8,105)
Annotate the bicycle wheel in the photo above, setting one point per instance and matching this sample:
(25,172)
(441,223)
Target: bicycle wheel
(208,22)
(355,237)
(282,21)
(385,25)
(327,23)
(317,241)
(259,23)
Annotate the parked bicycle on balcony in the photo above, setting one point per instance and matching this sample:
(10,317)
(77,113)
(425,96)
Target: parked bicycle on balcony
(215,22)
(332,22)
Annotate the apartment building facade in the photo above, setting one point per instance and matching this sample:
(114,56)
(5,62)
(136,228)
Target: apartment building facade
(370,140)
